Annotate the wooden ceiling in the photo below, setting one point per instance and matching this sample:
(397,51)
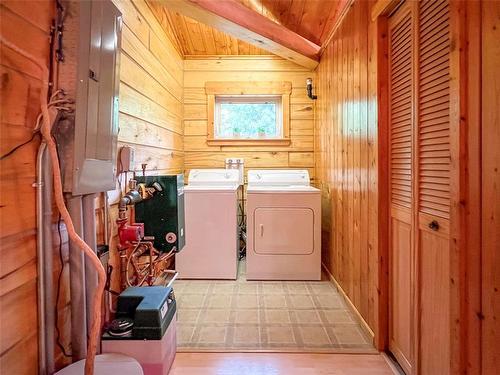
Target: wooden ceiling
(311,19)
(193,38)
(293,29)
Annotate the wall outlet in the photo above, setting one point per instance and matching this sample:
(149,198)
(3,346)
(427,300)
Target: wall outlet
(236,163)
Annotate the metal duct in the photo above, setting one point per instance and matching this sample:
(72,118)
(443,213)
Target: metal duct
(77,284)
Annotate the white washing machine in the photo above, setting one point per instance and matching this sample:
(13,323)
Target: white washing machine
(283,226)
(211,209)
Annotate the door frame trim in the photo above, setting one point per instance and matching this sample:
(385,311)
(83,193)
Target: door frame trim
(465,173)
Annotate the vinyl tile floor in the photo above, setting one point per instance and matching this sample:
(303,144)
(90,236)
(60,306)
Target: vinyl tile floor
(283,316)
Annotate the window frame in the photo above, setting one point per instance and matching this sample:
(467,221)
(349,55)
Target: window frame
(255,89)
(249,99)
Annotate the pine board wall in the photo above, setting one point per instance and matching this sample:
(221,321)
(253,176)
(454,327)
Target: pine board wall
(346,162)
(150,120)
(490,166)
(151,91)
(198,71)
(20,105)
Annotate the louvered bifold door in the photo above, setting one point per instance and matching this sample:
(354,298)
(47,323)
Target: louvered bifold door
(401,98)
(433,185)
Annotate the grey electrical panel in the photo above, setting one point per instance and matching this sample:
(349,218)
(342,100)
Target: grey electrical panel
(89,73)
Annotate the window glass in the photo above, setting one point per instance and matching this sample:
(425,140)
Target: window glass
(248,117)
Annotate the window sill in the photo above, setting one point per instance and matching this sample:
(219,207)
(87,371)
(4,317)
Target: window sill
(248,142)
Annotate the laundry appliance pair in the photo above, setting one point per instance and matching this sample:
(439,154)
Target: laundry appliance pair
(283,231)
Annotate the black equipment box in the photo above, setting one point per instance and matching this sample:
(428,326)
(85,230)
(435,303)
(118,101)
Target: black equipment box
(149,308)
(163,214)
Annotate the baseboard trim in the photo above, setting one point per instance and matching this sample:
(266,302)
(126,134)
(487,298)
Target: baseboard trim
(393,365)
(361,320)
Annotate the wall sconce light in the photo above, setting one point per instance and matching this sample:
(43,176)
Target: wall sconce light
(309,86)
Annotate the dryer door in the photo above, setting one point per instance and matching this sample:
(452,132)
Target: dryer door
(284,231)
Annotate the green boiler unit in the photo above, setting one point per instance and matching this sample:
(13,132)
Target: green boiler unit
(163,214)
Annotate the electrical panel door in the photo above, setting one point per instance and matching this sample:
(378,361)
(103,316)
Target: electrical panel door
(89,74)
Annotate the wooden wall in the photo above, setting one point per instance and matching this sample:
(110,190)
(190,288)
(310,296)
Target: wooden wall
(490,260)
(150,91)
(194,38)
(150,120)
(346,162)
(198,154)
(349,163)
(20,105)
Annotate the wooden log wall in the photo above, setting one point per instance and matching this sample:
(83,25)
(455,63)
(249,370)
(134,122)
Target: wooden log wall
(197,71)
(150,121)
(151,90)
(346,162)
(20,105)
(151,93)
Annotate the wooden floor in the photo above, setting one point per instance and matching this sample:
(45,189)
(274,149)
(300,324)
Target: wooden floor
(278,364)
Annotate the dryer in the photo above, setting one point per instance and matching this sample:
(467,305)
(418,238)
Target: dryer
(211,210)
(283,226)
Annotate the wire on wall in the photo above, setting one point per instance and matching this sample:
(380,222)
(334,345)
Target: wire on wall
(9,153)
(47,119)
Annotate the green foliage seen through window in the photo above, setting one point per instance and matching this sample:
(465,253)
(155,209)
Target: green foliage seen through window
(247,120)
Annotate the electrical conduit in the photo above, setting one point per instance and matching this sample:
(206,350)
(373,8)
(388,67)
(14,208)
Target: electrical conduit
(46,308)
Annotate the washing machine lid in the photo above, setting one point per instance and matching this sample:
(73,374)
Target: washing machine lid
(211,188)
(213,178)
(283,189)
(278,177)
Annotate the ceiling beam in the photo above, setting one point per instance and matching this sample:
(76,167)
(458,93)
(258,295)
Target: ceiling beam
(245,24)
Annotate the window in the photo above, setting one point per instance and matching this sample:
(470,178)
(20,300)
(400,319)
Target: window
(248,117)
(248,113)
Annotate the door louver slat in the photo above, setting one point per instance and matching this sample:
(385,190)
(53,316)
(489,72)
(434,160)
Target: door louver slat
(434,108)
(401,111)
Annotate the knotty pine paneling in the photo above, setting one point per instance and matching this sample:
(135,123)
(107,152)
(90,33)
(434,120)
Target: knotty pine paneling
(151,90)
(20,105)
(490,17)
(151,97)
(311,19)
(197,71)
(346,161)
(191,37)
(150,120)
